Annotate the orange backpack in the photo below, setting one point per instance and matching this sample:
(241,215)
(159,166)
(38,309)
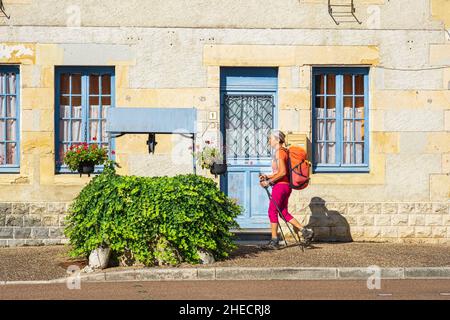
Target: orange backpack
(298,168)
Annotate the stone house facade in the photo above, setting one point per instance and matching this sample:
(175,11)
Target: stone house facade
(371,94)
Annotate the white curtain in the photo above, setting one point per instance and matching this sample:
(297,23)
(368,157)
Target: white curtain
(65,126)
(330,136)
(104,135)
(348,136)
(353,154)
(348,150)
(93,124)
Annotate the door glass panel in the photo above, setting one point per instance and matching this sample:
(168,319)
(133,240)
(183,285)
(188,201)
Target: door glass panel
(248,122)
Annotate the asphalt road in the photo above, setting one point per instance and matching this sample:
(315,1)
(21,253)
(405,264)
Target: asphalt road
(230,290)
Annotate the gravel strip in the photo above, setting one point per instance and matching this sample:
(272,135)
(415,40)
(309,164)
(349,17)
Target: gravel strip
(34,263)
(354,254)
(51,262)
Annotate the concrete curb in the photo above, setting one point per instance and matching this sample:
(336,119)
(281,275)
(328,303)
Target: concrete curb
(237,273)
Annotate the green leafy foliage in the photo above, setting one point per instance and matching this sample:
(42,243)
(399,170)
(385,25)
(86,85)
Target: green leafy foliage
(84,152)
(159,219)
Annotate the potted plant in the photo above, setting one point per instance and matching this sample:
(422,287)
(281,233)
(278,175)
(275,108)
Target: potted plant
(211,158)
(83,157)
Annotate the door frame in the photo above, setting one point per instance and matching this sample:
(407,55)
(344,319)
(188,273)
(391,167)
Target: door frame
(249,81)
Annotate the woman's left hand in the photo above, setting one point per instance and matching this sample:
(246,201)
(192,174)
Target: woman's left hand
(264,183)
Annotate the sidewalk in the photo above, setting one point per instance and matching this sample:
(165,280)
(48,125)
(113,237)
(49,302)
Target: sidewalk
(324,260)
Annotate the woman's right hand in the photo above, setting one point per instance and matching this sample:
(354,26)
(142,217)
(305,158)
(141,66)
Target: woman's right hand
(263,177)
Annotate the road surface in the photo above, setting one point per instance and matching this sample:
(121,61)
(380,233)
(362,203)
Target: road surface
(212,290)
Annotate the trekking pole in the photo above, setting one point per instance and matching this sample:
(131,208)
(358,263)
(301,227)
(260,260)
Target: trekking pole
(282,217)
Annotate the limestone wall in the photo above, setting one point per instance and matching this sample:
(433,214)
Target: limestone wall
(169,53)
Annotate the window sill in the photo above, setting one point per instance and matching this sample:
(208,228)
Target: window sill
(352,169)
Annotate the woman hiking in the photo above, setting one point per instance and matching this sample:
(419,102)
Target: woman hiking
(281,190)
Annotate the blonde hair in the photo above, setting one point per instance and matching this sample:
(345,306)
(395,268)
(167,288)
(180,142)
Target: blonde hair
(279,135)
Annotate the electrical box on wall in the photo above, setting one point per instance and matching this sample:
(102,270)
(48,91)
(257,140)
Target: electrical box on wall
(299,139)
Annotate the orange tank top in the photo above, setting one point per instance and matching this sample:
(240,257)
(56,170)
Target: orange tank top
(280,155)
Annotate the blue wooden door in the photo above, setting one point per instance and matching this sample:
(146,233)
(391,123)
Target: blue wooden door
(248,114)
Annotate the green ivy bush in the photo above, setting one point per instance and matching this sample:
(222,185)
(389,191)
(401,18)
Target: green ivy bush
(158,219)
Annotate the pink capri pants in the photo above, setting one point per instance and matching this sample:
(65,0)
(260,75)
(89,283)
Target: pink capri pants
(280,195)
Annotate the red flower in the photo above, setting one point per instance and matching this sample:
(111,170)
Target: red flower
(94,138)
(207,142)
(113,152)
(78,151)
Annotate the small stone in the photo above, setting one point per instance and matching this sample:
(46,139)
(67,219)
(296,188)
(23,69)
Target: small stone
(206,257)
(87,269)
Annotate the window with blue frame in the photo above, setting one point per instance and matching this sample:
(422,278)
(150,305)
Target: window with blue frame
(9,118)
(340,120)
(83,96)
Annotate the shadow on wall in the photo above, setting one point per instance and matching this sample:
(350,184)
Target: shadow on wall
(328,225)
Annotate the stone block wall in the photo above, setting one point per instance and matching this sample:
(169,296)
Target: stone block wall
(40,223)
(32,223)
(409,222)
